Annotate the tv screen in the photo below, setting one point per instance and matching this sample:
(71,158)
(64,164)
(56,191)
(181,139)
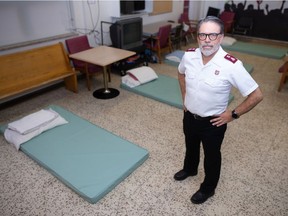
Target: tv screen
(126,7)
(139,5)
(127,34)
(130,7)
(132,33)
(213,12)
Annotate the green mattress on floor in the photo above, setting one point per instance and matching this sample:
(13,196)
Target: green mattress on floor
(257,49)
(165,89)
(88,159)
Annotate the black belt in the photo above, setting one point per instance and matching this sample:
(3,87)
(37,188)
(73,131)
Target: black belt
(197,117)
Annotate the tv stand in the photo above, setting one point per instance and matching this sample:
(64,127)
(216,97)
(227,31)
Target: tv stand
(103,22)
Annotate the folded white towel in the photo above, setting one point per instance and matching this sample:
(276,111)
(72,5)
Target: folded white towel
(143,74)
(16,139)
(130,81)
(33,121)
(173,58)
(228,41)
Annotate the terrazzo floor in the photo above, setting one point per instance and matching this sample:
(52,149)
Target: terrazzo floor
(254,177)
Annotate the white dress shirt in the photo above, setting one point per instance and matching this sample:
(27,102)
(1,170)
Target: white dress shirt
(208,86)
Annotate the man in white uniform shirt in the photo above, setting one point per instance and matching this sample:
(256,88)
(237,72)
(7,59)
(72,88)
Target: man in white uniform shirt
(206,76)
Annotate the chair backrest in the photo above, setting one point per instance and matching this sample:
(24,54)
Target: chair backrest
(178,31)
(228,20)
(283,68)
(77,44)
(184,18)
(163,35)
(226,16)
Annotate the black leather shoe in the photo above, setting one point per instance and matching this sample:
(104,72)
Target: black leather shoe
(200,197)
(181,175)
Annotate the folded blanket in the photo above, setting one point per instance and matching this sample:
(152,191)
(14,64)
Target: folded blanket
(15,138)
(130,81)
(175,56)
(138,76)
(33,121)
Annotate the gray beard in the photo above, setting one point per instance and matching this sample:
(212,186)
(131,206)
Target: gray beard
(209,52)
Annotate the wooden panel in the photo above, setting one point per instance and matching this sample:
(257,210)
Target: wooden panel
(160,6)
(26,70)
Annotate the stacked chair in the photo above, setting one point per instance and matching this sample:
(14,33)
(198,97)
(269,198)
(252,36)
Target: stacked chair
(189,28)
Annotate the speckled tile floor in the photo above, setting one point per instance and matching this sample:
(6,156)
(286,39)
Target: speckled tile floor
(254,178)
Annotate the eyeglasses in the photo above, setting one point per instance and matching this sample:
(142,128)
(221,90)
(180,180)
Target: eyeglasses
(211,36)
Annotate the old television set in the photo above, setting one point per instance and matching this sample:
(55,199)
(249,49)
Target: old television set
(139,5)
(127,34)
(131,7)
(213,12)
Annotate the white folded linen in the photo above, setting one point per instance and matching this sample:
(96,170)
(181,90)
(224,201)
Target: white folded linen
(138,76)
(33,121)
(228,41)
(143,74)
(15,138)
(130,81)
(175,56)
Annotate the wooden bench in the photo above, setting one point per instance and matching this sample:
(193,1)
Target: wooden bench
(28,70)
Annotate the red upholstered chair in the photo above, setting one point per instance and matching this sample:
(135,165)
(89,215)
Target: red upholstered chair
(284,70)
(189,27)
(78,44)
(161,42)
(176,37)
(228,20)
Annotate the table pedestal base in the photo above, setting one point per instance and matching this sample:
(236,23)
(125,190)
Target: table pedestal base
(106,93)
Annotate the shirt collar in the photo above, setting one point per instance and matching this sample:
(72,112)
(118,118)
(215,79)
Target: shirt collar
(218,56)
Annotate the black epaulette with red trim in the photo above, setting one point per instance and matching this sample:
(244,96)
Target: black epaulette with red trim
(231,58)
(191,50)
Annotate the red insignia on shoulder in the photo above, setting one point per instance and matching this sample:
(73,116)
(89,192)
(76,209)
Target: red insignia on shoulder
(230,58)
(191,50)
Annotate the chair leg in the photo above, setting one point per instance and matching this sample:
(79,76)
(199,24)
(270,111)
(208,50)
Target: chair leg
(159,56)
(88,83)
(174,46)
(179,44)
(282,81)
(158,50)
(187,40)
(191,36)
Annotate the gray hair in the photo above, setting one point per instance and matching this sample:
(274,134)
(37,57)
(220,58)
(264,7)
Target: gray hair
(214,19)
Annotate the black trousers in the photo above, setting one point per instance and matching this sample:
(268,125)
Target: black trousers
(197,131)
